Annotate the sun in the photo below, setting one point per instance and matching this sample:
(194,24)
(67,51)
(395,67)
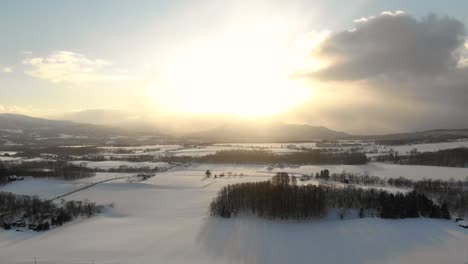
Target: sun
(243,72)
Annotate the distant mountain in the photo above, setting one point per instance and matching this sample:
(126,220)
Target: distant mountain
(269,133)
(437,135)
(27,124)
(124,120)
(25,130)
(21,129)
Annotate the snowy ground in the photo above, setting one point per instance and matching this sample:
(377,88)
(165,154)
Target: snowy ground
(383,170)
(428,147)
(165,220)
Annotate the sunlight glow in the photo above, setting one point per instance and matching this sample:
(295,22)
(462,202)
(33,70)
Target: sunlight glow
(243,72)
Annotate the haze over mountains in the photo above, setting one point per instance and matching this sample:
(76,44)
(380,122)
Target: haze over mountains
(21,127)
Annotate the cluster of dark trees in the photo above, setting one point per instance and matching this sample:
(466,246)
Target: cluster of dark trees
(454,194)
(324,175)
(351,178)
(103,157)
(21,209)
(128,169)
(56,150)
(270,199)
(427,138)
(281,198)
(457,157)
(56,169)
(267,157)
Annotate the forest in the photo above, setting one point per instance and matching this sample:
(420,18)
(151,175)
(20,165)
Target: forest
(453,193)
(282,198)
(457,157)
(56,169)
(40,215)
(312,157)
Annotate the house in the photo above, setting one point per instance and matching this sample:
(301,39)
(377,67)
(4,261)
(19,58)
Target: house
(12,178)
(19,223)
(463,224)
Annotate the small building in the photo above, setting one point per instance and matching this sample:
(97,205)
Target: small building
(463,223)
(19,223)
(12,178)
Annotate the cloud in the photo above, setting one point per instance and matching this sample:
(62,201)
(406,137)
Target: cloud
(393,42)
(7,70)
(14,109)
(463,62)
(412,74)
(73,68)
(384,13)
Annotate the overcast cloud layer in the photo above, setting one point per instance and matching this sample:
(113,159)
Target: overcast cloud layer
(408,74)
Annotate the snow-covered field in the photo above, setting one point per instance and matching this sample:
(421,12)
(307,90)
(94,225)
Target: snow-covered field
(165,220)
(428,147)
(368,147)
(178,150)
(384,170)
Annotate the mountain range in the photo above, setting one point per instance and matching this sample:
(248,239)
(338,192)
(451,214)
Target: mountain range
(21,129)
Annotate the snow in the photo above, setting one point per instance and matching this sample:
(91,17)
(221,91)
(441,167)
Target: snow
(3,158)
(44,188)
(165,220)
(16,131)
(8,152)
(429,147)
(384,170)
(20,159)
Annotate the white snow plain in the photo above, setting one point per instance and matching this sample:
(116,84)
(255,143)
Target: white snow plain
(165,220)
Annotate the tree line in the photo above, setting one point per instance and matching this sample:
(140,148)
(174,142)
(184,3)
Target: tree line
(55,169)
(281,198)
(457,157)
(23,209)
(267,157)
(452,193)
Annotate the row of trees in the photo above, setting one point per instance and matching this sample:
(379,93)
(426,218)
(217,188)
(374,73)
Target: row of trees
(267,157)
(129,169)
(56,169)
(281,198)
(57,150)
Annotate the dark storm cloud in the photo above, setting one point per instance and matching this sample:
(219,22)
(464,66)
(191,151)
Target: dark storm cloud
(391,43)
(410,66)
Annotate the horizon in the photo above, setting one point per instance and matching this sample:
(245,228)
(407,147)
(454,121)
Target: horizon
(234,131)
(185,65)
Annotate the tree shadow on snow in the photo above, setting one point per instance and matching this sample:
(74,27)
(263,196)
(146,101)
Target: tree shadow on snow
(251,240)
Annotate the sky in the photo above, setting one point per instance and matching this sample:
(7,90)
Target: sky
(356,66)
